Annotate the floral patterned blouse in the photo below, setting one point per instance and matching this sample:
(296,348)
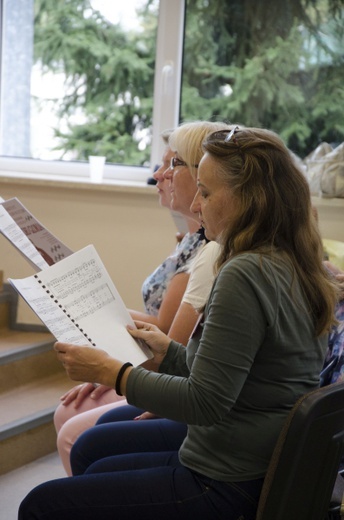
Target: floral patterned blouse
(333,369)
(154,287)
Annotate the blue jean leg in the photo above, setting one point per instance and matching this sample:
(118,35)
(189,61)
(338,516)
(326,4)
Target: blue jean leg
(126,436)
(145,486)
(122,413)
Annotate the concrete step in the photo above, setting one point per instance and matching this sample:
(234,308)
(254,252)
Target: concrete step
(31,383)
(24,356)
(26,430)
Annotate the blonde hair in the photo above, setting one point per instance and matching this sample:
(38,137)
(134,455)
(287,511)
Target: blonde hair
(186,140)
(274,212)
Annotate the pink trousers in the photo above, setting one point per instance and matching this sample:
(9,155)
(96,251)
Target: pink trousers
(70,422)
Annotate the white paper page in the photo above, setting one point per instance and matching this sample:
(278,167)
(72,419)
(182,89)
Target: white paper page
(49,246)
(82,287)
(51,314)
(14,234)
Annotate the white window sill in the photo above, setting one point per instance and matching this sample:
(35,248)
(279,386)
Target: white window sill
(73,176)
(56,181)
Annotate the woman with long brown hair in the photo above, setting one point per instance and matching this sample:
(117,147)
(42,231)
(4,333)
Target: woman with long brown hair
(259,346)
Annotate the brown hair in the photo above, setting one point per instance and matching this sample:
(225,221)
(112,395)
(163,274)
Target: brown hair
(274,211)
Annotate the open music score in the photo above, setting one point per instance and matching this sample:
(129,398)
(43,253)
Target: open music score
(78,302)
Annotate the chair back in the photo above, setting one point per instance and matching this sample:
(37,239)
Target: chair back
(304,465)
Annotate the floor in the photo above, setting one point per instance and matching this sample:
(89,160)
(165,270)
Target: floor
(16,484)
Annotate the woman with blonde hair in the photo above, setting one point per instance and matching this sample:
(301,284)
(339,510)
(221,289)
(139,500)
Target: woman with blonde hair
(259,346)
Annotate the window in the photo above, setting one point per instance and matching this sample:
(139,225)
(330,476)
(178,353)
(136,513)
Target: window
(84,80)
(247,63)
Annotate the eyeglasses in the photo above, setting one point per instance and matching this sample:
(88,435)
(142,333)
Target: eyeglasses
(175,162)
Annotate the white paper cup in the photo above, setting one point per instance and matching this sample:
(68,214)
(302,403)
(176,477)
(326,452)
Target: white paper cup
(96,167)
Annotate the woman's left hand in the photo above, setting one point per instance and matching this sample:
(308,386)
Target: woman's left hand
(88,364)
(144,416)
(157,341)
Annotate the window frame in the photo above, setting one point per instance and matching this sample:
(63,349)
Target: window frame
(166,106)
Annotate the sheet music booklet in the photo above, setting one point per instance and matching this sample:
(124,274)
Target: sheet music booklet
(77,301)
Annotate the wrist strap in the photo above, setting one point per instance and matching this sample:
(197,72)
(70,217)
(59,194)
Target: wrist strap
(120,376)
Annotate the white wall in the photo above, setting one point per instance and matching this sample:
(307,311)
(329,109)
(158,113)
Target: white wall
(129,229)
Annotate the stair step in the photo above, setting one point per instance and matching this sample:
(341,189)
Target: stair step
(27,446)
(31,383)
(26,357)
(31,399)
(26,428)
(12,341)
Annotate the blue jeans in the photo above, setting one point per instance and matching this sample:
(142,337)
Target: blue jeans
(130,469)
(116,433)
(143,486)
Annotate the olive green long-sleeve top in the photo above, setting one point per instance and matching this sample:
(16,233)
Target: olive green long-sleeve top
(246,364)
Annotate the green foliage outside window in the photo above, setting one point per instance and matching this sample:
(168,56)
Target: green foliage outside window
(278,65)
(109,75)
(282,64)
